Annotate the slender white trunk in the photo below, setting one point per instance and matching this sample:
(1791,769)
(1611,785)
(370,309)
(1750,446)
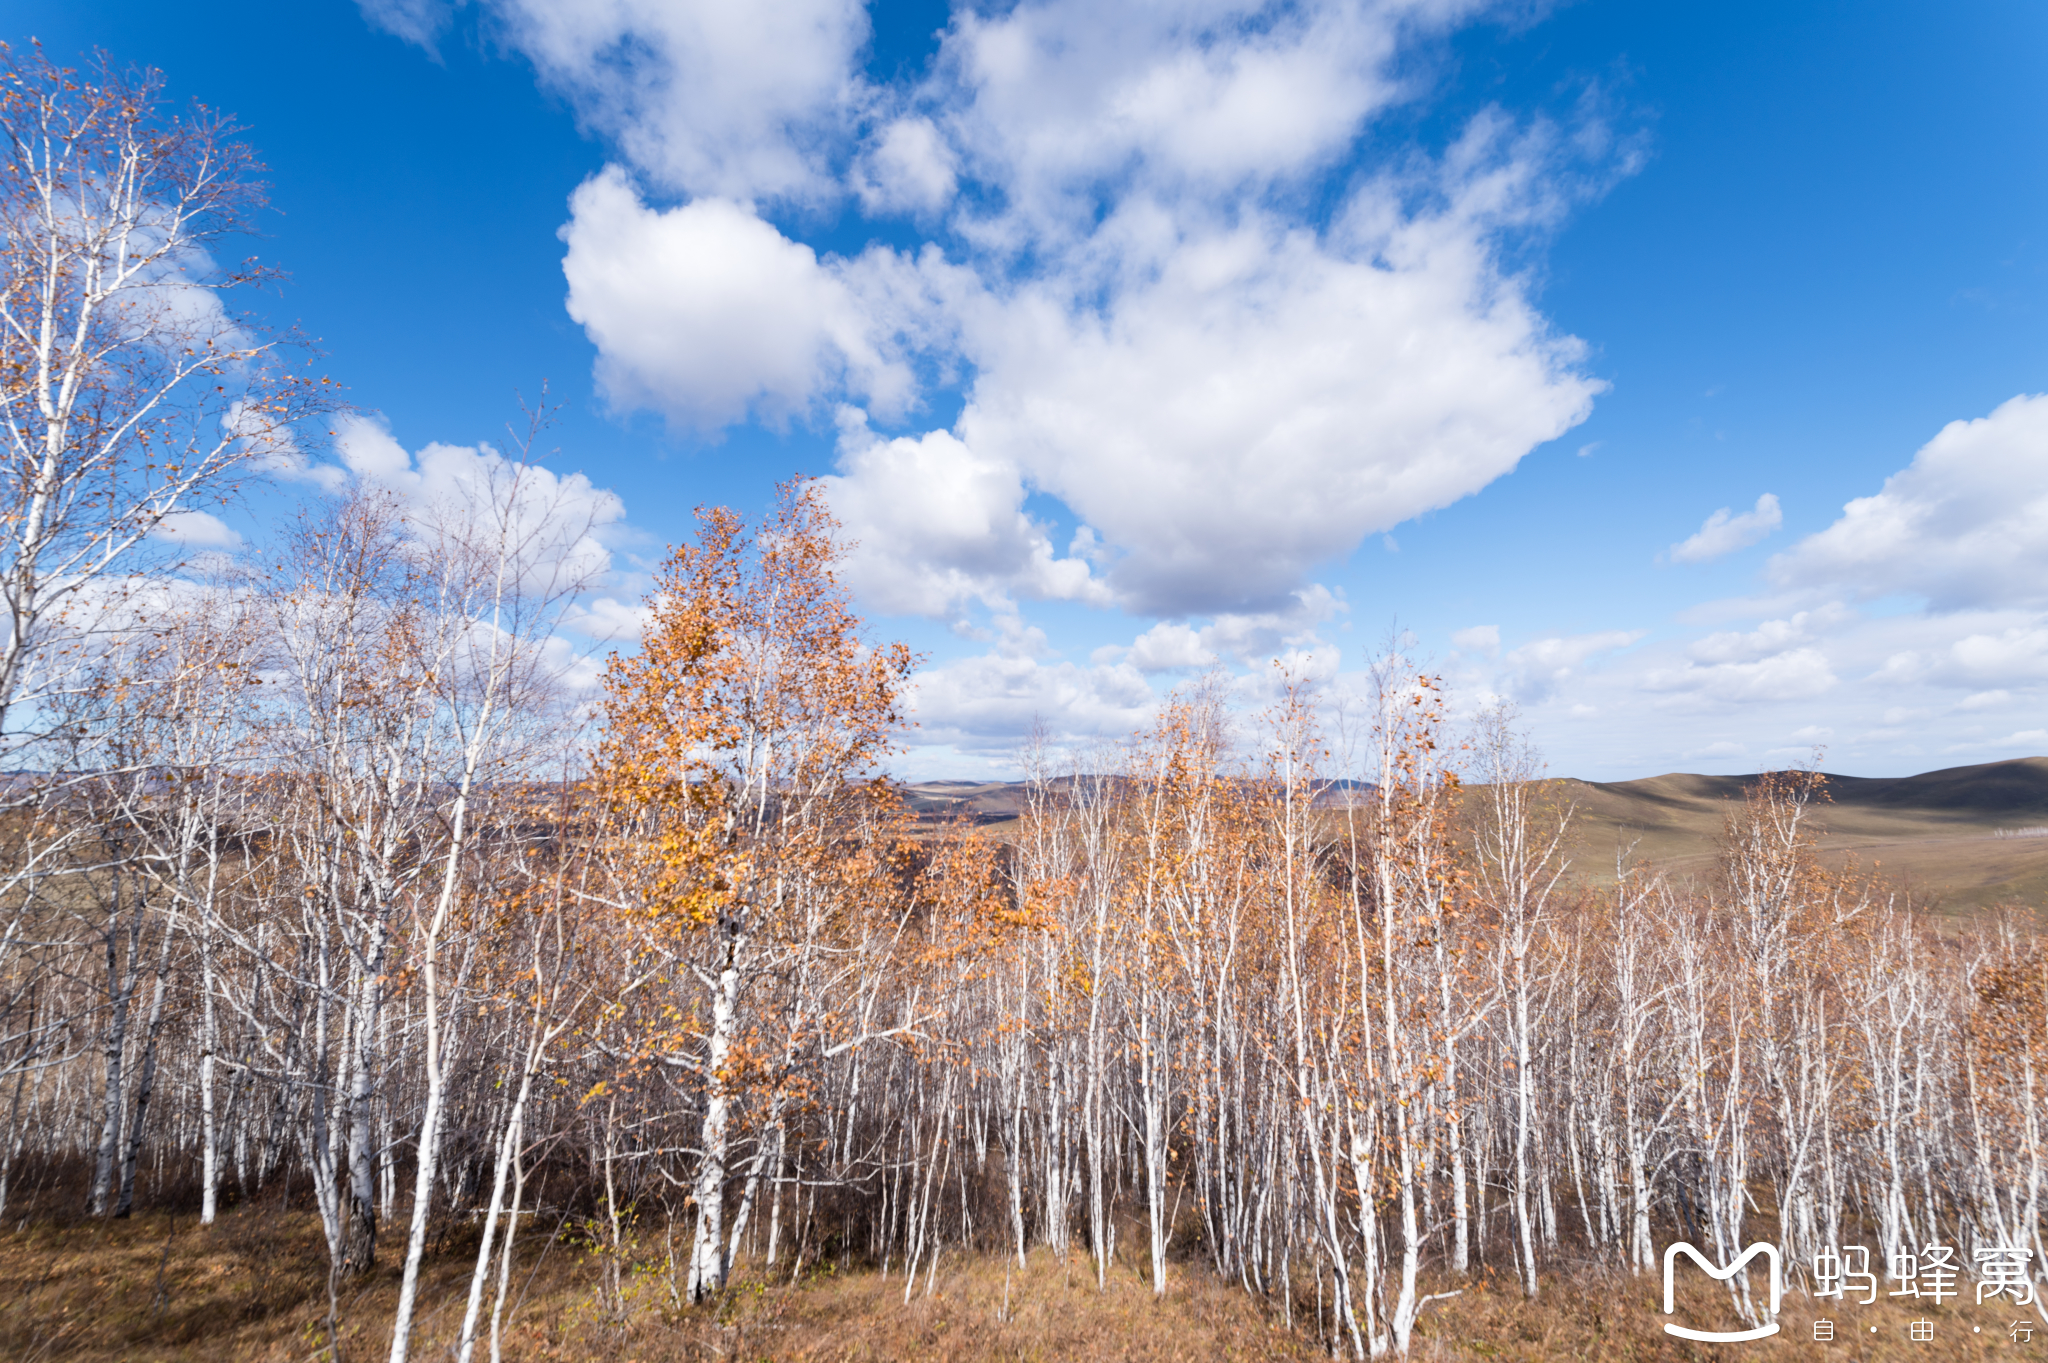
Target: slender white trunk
(209,1045)
(428,1165)
(120,989)
(777,1164)
(1154,1101)
(707,1252)
(359,1252)
(145,1082)
(1524,1100)
(505,1255)
(508,1146)
(748,1193)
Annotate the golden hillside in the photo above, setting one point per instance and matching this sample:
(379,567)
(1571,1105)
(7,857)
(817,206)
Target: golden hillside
(1965,836)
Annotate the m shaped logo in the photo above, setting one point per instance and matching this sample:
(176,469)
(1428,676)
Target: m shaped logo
(1769,1252)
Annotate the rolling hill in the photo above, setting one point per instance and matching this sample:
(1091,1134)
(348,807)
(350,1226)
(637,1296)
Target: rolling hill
(1939,832)
(1964,836)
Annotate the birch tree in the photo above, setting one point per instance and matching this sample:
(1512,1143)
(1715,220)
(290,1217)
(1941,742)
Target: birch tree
(1519,863)
(131,396)
(732,760)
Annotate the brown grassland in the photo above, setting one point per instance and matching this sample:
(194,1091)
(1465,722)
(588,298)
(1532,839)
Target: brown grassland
(159,1286)
(1937,834)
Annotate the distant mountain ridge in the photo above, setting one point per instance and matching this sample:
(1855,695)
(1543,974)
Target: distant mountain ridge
(2017,787)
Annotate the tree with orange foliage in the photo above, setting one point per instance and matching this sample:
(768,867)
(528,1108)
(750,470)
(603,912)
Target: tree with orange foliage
(732,762)
(2005,1060)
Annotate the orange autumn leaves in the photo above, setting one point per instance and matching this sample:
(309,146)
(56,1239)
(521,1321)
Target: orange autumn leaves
(751,705)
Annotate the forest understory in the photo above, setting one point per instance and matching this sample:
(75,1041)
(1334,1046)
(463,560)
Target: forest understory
(254,1286)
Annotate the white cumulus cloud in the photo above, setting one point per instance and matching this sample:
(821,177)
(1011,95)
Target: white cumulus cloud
(1261,399)
(554,525)
(740,101)
(1121,271)
(1770,638)
(608,618)
(198,530)
(909,169)
(1794,674)
(1248,639)
(1168,646)
(1060,99)
(707,313)
(935,524)
(1985,659)
(1478,639)
(1965,524)
(1536,670)
(991,702)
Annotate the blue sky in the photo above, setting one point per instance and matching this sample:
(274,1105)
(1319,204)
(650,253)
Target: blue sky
(1138,340)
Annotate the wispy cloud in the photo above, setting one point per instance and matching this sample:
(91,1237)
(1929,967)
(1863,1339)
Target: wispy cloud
(1724,533)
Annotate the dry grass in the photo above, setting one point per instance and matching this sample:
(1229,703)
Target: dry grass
(1602,1314)
(253,1287)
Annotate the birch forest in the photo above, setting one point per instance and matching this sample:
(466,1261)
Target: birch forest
(331,873)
